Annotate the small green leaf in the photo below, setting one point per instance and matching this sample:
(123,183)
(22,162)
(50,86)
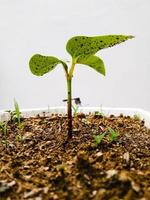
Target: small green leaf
(94,62)
(40,65)
(98,138)
(113,134)
(17,111)
(82,46)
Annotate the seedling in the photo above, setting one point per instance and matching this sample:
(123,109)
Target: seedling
(99,138)
(113,134)
(98,113)
(137,117)
(82,50)
(17,113)
(75,110)
(15,116)
(3,127)
(18,137)
(75,107)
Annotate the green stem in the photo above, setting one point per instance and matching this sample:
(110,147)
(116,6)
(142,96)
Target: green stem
(69,99)
(69,102)
(72,69)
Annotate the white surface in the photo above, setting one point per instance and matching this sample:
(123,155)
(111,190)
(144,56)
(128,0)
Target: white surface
(144,115)
(43,26)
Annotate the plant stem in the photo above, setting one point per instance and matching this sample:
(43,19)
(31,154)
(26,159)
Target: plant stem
(69,98)
(72,69)
(69,103)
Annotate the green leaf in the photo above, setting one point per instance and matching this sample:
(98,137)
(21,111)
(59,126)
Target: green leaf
(17,110)
(94,62)
(98,138)
(40,65)
(113,134)
(80,47)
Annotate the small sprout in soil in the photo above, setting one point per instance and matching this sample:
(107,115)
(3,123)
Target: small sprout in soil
(17,116)
(83,51)
(98,113)
(75,107)
(137,117)
(75,110)
(98,138)
(113,134)
(3,127)
(19,137)
(17,113)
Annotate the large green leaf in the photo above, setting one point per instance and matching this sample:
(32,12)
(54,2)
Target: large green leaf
(40,65)
(82,46)
(94,62)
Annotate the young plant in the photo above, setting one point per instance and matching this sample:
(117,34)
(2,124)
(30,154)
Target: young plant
(75,110)
(98,138)
(113,134)
(75,107)
(82,50)
(15,116)
(100,114)
(17,113)
(137,117)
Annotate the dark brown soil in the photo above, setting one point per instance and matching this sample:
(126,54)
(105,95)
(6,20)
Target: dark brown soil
(41,166)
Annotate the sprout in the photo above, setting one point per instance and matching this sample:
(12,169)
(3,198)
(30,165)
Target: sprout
(98,138)
(113,134)
(82,50)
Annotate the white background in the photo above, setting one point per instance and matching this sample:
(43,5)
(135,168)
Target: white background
(44,26)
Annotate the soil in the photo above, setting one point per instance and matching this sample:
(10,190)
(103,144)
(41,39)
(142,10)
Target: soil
(37,164)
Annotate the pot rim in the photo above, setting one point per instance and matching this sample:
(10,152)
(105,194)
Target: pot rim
(143,114)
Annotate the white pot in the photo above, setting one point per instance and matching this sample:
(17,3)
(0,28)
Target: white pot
(144,115)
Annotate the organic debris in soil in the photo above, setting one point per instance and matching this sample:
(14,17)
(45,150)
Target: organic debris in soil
(37,164)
